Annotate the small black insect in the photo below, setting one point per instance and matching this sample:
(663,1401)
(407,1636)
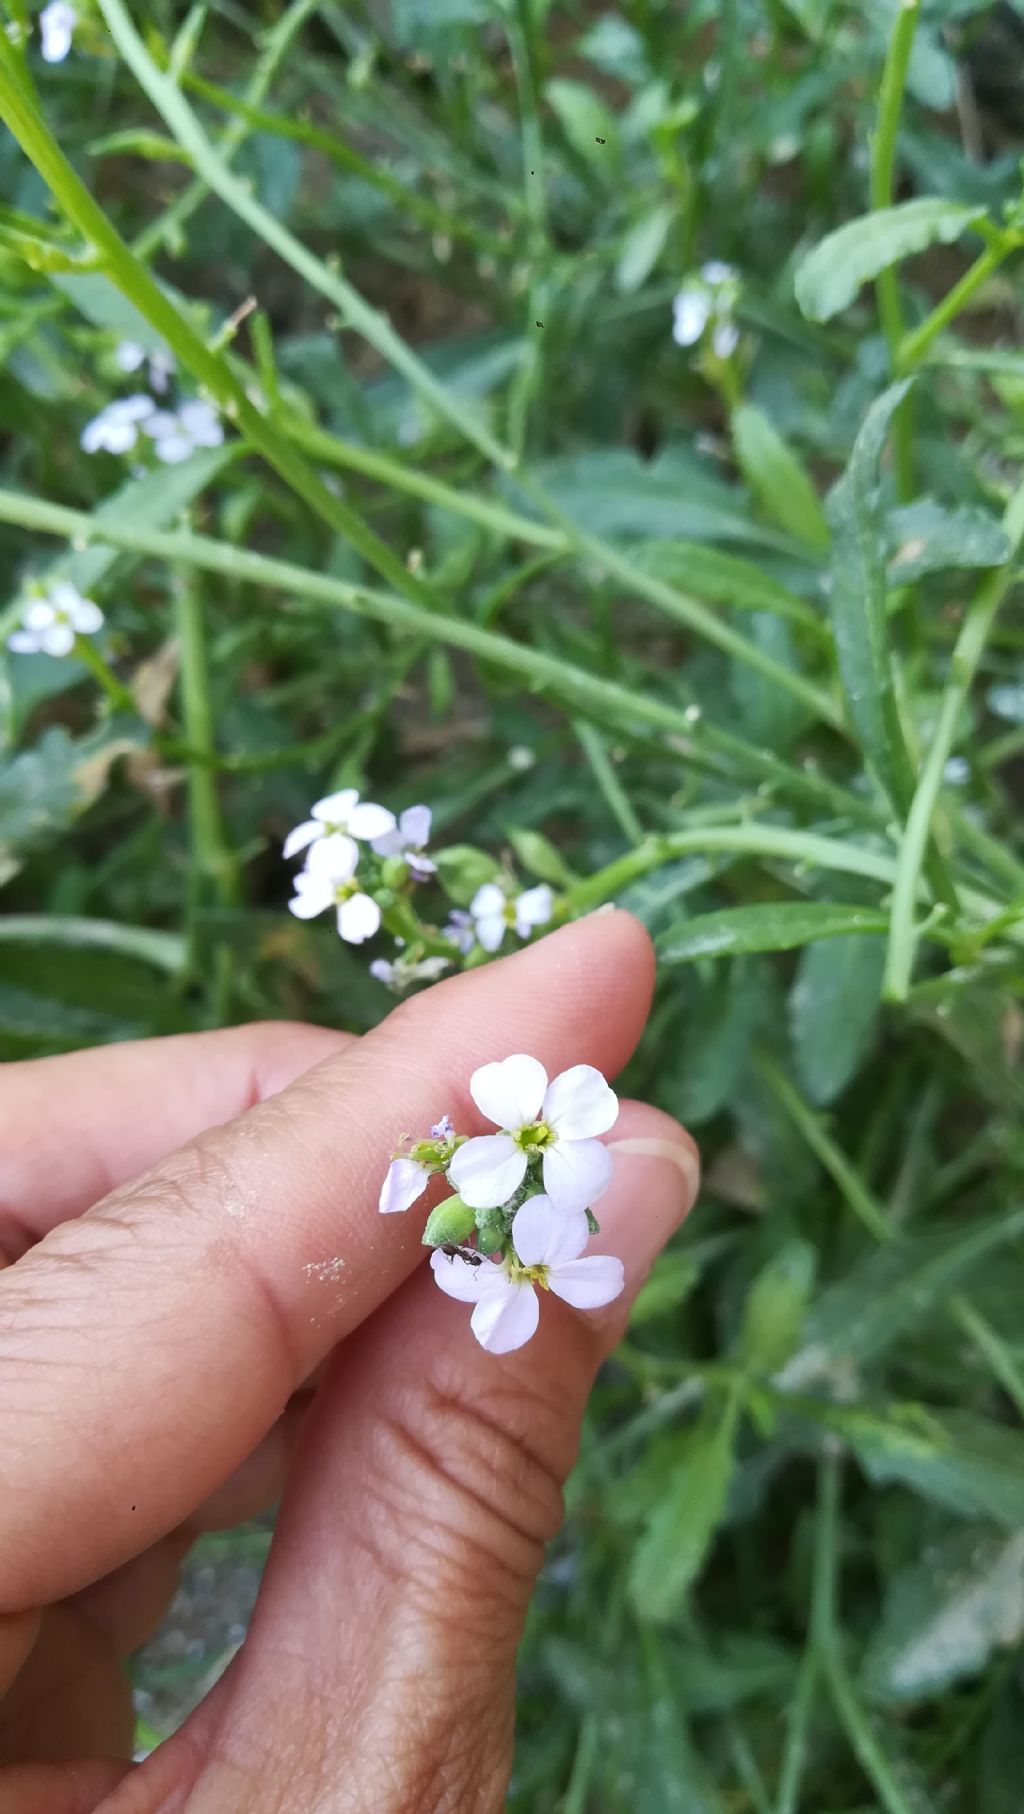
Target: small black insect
(600,141)
(469,1254)
(538,324)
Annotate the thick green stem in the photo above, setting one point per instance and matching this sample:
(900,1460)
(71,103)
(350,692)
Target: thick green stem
(214,871)
(913,346)
(883,162)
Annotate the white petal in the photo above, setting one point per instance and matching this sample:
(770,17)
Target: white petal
(159,422)
(579,1104)
(334,809)
(415,824)
(312,896)
(511,1091)
(358,918)
(23,642)
(576,1173)
(201,423)
(130,355)
(420,867)
(39,614)
(333,858)
(138,408)
(505,1318)
(404,1183)
(58,640)
(545,1236)
(119,437)
(370,821)
(487,1170)
(92,436)
(300,836)
(487,900)
(534,908)
(691,310)
(383,971)
(491,930)
(172,449)
(391,844)
(715,272)
(725,339)
(588,1283)
(87,617)
(458,1278)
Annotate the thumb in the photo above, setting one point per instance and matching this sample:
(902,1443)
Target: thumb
(429,1479)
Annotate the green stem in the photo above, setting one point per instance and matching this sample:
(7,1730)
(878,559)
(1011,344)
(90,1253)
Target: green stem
(992,1347)
(861,1733)
(615,796)
(883,160)
(789,846)
(214,872)
(844,1175)
(913,346)
(163,950)
(120,696)
(967,653)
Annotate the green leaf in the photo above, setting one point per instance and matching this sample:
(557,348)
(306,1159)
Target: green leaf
(642,247)
(954,1458)
(95,297)
(591,129)
(539,857)
(945,1614)
(671,1552)
(719,1033)
(833,1011)
(928,539)
(895,1287)
(770,716)
(462,869)
(830,276)
(763,926)
(726,579)
(39,797)
(858,602)
(775,1308)
(671,1281)
(777,478)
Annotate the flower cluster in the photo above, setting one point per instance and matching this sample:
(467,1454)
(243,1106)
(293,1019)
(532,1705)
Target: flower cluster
(51,622)
(175,433)
(708,300)
(522,1214)
(368,866)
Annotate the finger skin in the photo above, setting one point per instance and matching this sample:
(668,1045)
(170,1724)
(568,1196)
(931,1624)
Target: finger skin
(77,1126)
(156,1338)
(379,1668)
(59,1788)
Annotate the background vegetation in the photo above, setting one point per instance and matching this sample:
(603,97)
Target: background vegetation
(737,635)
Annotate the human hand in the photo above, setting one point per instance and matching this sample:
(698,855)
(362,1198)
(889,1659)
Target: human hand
(153,1352)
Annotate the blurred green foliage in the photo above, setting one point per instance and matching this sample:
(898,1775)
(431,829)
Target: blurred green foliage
(792,1573)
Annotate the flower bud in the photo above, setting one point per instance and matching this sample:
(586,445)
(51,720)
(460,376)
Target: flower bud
(452,1220)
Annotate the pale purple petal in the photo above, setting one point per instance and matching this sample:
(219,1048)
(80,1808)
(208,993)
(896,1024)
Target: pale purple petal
(172,449)
(505,1317)
(369,821)
(510,1091)
(130,355)
(333,858)
(415,825)
(534,908)
(588,1283)
(392,844)
(23,642)
(487,1170)
(404,1183)
(576,1173)
(201,423)
(579,1104)
(334,809)
(358,918)
(300,836)
(383,971)
(420,867)
(158,423)
(458,1278)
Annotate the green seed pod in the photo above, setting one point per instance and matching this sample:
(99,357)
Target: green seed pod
(452,1220)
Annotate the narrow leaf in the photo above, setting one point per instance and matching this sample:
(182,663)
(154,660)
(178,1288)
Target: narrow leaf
(777,477)
(830,276)
(833,1010)
(765,926)
(671,1553)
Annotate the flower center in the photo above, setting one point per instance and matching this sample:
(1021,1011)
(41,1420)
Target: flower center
(534,1137)
(529,1275)
(343,891)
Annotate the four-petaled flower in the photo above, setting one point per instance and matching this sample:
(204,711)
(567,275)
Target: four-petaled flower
(409,1173)
(116,429)
(342,818)
(707,298)
(177,433)
(49,625)
(557,1122)
(328,881)
(548,1244)
(493,913)
(408,839)
(56,29)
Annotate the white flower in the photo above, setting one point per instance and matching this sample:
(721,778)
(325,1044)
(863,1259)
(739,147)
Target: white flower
(548,1244)
(408,839)
(116,429)
(493,913)
(404,971)
(342,818)
(327,881)
(177,433)
(56,29)
(409,1173)
(691,311)
(49,625)
(716,273)
(460,930)
(556,1122)
(725,339)
(130,356)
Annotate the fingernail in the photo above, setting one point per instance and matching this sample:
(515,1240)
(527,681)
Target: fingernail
(654,1185)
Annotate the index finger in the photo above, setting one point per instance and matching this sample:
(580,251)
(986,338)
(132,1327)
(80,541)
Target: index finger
(146,1347)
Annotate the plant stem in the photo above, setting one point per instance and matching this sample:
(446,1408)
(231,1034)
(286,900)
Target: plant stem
(992,1347)
(967,653)
(163,950)
(214,872)
(883,160)
(913,346)
(851,1185)
(120,696)
(615,796)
